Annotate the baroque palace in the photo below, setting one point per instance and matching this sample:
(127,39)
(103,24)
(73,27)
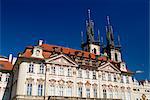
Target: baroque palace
(50,72)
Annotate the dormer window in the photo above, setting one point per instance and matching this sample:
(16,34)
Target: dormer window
(37,52)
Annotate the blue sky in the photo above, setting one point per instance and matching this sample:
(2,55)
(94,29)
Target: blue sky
(59,22)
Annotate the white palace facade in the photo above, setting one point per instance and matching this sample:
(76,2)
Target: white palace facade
(97,72)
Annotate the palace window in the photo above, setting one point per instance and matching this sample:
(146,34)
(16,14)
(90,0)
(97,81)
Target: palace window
(121,78)
(128,95)
(69,72)
(88,92)
(94,74)
(61,70)
(61,90)
(52,90)
(40,90)
(87,74)
(127,79)
(80,73)
(52,70)
(104,94)
(103,76)
(29,89)
(69,91)
(95,92)
(109,76)
(115,78)
(80,91)
(42,68)
(110,94)
(31,65)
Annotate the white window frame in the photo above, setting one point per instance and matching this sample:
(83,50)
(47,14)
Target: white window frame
(31,68)
(40,90)
(69,72)
(42,68)
(52,90)
(53,70)
(87,74)
(94,74)
(80,73)
(29,89)
(80,91)
(87,92)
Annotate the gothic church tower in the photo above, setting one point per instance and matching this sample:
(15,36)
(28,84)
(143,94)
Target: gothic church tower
(90,45)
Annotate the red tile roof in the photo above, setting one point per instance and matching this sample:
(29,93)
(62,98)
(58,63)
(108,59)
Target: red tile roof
(5,65)
(47,49)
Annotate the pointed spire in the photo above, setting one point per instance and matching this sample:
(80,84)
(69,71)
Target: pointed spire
(102,42)
(119,41)
(90,28)
(109,33)
(108,21)
(98,36)
(82,41)
(89,14)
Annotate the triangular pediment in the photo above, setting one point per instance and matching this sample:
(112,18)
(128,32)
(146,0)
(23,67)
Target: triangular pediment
(61,60)
(109,68)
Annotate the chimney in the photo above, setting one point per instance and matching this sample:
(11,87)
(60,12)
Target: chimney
(40,42)
(10,57)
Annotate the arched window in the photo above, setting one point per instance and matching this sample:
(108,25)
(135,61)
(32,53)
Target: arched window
(94,50)
(116,57)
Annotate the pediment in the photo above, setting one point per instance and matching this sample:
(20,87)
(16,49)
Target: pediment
(109,68)
(61,60)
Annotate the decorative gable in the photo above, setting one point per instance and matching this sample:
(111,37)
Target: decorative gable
(109,68)
(61,60)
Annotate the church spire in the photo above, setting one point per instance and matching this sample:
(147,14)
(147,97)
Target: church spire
(109,33)
(98,36)
(82,40)
(90,28)
(119,44)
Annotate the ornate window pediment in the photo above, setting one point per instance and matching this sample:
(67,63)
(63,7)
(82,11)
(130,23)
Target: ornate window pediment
(61,82)
(69,83)
(61,60)
(108,67)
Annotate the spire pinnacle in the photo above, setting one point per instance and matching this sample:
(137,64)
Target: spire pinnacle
(119,40)
(108,20)
(98,36)
(109,34)
(82,37)
(89,14)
